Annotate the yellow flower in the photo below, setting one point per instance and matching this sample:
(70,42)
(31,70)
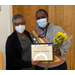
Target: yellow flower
(59,39)
(65,37)
(59,33)
(55,38)
(55,42)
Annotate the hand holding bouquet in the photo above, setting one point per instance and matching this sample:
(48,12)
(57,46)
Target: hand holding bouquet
(59,40)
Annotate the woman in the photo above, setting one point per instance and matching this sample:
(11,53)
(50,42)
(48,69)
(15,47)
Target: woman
(18,54)
(46,33)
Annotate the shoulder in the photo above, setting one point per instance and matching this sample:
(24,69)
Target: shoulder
(37,27)
(12,36)
(27,33)
(56,28)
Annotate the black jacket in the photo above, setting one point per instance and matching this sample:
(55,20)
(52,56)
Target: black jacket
(13,53)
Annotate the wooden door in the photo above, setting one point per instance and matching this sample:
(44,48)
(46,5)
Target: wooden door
(28,11)
(64,16)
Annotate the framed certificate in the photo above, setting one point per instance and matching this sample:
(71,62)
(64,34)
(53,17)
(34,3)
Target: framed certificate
(42,52)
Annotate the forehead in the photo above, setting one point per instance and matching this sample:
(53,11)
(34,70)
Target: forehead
(18,20)
(41,13)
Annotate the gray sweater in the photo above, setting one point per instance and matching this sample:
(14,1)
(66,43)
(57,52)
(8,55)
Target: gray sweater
(51,32)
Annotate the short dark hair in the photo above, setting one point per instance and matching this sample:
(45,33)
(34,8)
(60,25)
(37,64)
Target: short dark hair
(43,11)
(17,16)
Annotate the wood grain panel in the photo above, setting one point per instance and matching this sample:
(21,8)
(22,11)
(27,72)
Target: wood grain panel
(28,11)
(67,27)
(73,39)
(64,16)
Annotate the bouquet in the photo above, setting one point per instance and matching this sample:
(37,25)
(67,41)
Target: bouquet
(59,39)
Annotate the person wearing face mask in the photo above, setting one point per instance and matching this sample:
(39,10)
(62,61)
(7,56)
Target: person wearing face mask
(18,52)
(45,33)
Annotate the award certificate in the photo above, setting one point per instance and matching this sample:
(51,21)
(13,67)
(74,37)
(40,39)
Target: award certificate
(42,52)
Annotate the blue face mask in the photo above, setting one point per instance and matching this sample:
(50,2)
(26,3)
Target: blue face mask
(42,22)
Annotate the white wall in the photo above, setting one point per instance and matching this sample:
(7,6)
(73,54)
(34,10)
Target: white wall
(5,28)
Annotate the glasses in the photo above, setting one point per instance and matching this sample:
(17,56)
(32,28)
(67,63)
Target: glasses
(21,23)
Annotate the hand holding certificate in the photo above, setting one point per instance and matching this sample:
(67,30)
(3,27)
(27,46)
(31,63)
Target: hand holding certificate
(34,63)
(42,52)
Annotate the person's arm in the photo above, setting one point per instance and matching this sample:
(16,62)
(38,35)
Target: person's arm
(11,56)
(64,48)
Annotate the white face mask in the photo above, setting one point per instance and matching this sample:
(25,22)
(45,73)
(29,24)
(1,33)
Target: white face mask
(42,22)
(20,28)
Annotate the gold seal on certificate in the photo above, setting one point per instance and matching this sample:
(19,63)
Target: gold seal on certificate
(42,52)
